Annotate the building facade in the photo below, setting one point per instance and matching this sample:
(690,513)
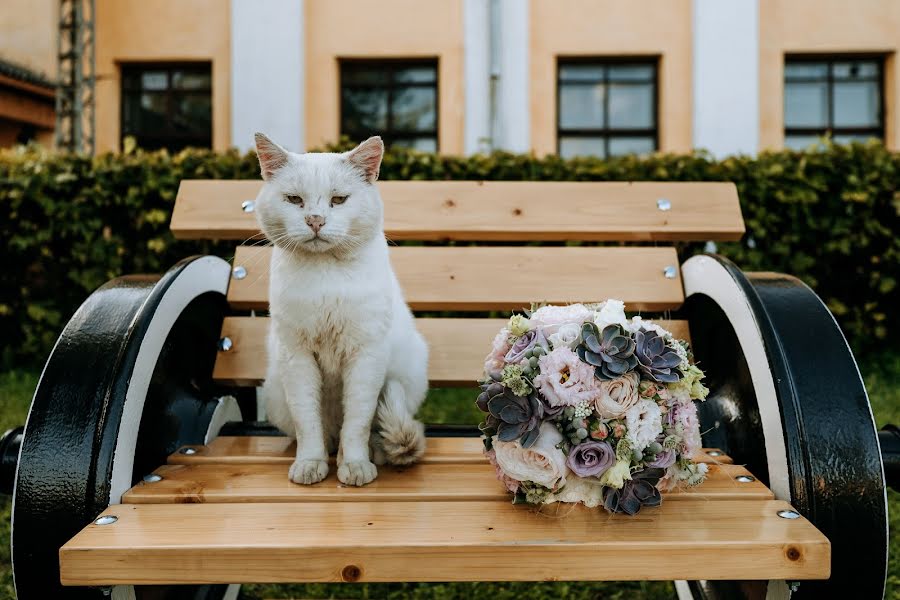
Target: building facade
(574,77)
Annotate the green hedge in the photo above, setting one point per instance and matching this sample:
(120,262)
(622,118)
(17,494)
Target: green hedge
(70,223)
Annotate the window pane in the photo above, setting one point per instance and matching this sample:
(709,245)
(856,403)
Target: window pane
(631,105)
(581,106)
(581,146)
(806,70)
(364,109)
(631,145)
(193,112)
(422,144)
(414,108)
(855,69)
(357,74)
(631,73)
(806,105)
(801,142)
(416,75)
(145,112)
(856,104)
(154,80)
(846,139)
(190,80)
(581,72)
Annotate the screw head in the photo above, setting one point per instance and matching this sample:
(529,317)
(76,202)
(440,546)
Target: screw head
(745,478)
(225,344)
(788,514)
(239,272)
(152,478)
(714,453)
(664,204)
(248,206)
(106,520)
(670,272)
(188,451)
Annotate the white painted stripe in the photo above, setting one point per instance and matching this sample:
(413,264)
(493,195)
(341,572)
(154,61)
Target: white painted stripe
(476,24)
(513,91)
(726,76)
(267,72)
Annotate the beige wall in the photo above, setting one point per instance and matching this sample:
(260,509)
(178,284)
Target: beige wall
(163,31)
(829,27)
(28,34)
(382,29)
(613,28)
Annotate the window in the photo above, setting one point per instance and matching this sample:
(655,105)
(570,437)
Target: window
(167,106)
(840,96)
(394,99)
(606,108)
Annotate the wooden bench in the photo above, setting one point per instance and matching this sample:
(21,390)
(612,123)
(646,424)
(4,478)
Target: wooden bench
(176,503)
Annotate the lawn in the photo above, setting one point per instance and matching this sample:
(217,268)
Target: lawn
(882,375)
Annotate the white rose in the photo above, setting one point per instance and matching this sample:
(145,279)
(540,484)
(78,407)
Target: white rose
(587,490)
(551,317)
(543,463)
(566,336)
(618,395)
(643,422)
(612,313)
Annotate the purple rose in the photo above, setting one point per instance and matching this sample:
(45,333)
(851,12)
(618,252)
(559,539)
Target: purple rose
(532,338)
(664,460)
(591,459)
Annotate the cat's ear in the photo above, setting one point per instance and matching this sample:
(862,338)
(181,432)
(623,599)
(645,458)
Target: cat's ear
(367,158)
(271,156)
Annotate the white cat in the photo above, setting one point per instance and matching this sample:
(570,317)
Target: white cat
(347,369)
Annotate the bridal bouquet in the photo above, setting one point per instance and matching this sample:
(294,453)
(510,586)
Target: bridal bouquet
(583,404)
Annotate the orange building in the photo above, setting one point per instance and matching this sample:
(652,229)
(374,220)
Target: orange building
(599,77)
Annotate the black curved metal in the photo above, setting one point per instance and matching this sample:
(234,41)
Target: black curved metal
(65,465)
(9,457)
(834,462)
(889,440)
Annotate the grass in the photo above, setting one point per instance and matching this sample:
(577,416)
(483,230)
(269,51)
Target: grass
(882,375)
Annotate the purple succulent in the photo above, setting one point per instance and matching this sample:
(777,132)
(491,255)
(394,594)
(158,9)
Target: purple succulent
(655,359)
(528,341)
(638,492)
(610,352)
(510,417)
(591,459)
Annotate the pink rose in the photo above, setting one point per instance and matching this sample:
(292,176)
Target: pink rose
(495,360)
(618,395)
(550,318)
(511,484)
(565,380)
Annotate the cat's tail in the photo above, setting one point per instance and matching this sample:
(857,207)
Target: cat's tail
(402,436)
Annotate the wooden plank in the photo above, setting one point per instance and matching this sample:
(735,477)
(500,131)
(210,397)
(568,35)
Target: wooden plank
(503,278)
(215,483)
(442,541)
(457,348)
(497,210)
(247,449)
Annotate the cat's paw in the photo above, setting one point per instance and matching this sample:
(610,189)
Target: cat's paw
(358,472)
(308,471)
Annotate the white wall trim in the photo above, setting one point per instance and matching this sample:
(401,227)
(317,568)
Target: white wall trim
(726,76)
(267,72)
(476,25)
(514,86)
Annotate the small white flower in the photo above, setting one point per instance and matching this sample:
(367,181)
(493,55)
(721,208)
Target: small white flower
(637,323)
(612,313)
(583,410)
(644,423)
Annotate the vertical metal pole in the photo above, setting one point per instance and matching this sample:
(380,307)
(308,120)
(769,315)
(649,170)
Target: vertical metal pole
(495,32)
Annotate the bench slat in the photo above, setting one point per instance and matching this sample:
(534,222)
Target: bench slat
(457,348)
(247,449)
(498,210)
(502,278)
(442,541)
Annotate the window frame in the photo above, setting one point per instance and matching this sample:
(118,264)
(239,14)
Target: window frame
(830,60)
(607,132)
(180,140)
(391,66)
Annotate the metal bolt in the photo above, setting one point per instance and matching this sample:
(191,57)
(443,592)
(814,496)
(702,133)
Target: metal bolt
(248,205)
(745,478)
(670,272)
(106,520)
(152,478)
(714,453)
(788,514)
(225,344)
(664,204)
(239,272)
(188,451)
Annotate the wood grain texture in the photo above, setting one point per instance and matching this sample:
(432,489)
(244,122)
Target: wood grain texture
(280,450)
(442,541)
(241,483)
(497,210)
(457,348)
(503,278)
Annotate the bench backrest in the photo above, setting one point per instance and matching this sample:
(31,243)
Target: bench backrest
(483,277)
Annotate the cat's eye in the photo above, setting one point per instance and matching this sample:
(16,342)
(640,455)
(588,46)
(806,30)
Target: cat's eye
(298,200)
(336,200)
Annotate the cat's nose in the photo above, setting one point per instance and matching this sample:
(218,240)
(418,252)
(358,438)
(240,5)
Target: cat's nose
(315,222)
